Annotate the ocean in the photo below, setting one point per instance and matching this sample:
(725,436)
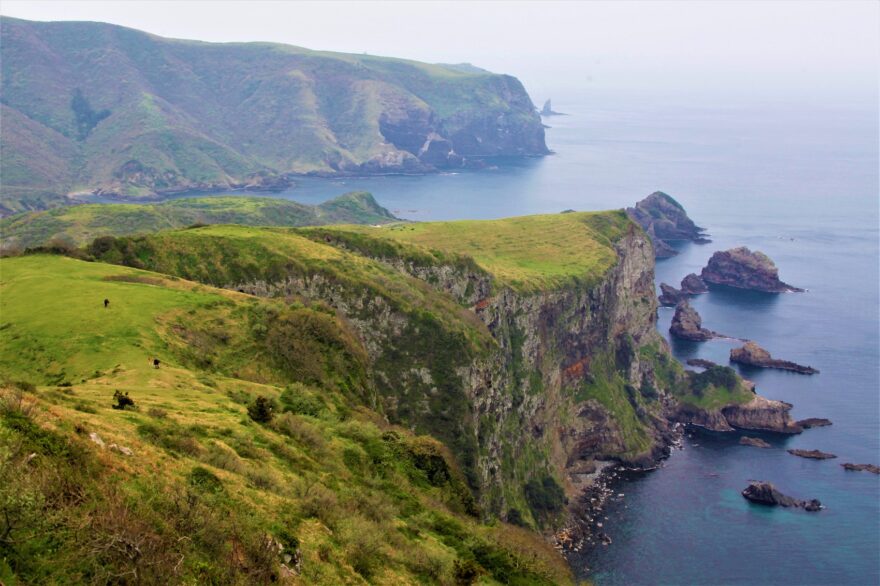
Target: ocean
(798,181)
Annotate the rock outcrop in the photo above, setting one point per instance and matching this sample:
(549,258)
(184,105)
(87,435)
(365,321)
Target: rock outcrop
(764,493)
(743,269)
(811,454)
(761,414)
(688,325)
(753,355)
(755,442)
(665,219)
(547,110)
(700,363)
(693,284)
(669,295)
(813,422)
(861,468)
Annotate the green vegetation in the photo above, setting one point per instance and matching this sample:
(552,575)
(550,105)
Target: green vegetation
(525,253)
(79,225)
(84,110)
(325,492)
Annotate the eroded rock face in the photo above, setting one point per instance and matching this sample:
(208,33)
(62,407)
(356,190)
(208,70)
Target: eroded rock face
(764,493)
(759,414)
(688,325)
(664,219)
(669,295)
(762,415)
(693,284)
(812,454)
(753,355)
(743,269)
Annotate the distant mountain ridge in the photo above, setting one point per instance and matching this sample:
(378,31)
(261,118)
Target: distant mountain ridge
(99,108)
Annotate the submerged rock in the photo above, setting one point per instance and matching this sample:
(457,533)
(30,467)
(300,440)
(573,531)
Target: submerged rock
(744,269)
(688,325)
(753,355)
(669,295)
(700,363)
(814,422)
(764,493)
(862,467)
(812,454)
(693,284)
(664,219)
(755,442)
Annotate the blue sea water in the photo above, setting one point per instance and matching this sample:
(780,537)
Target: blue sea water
(794,180)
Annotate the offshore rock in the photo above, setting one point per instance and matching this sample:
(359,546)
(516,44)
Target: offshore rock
(814,422)
(688,325)
(753,355)
(862,467)
(700,363)
(743,269)
(693,284)
(669,295)
(755,442)
(812,454)
(665,219)
(764,493)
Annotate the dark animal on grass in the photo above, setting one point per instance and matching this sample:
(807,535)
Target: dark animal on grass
(122,400)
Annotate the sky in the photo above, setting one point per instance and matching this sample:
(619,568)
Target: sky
(764,50)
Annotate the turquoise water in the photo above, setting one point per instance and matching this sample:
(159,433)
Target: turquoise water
(798,182)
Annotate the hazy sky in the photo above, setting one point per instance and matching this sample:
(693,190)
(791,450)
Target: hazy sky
(764,50)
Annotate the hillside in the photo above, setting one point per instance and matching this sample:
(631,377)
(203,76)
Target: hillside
(429,384)
(92,107)
(187,487)
(80,224)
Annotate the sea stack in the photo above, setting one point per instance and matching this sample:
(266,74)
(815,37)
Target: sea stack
(688,325)
(669,295)
(693,284)
(664,219)
(765,493)
(743,269)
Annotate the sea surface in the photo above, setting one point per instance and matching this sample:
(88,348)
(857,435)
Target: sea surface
(795,180)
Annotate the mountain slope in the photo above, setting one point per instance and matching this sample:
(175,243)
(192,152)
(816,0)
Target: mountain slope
(131,114)
(80,224)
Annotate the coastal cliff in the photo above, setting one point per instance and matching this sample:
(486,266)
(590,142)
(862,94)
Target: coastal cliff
(532,372)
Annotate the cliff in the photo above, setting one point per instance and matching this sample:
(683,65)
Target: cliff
(531,355)
(98,108)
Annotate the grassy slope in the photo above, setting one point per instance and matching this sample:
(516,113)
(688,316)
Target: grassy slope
(81,224)
(525,253)
(326,479)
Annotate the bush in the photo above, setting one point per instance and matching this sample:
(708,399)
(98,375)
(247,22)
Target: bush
(122,400)
(717,376)
(297,399)
(514,517)
(204,480)
(261,410)
(466,572)
(545,496)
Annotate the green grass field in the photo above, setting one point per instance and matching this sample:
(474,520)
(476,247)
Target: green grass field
(527,252)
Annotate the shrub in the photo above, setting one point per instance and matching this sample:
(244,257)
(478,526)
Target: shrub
(544,496)
(297,399)
(204,480)
(717,376)
(261,410)
(122,400)
(466,572)
(514,517)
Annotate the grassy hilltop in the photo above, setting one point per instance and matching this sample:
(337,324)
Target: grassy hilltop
(93,107)
(79,225)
